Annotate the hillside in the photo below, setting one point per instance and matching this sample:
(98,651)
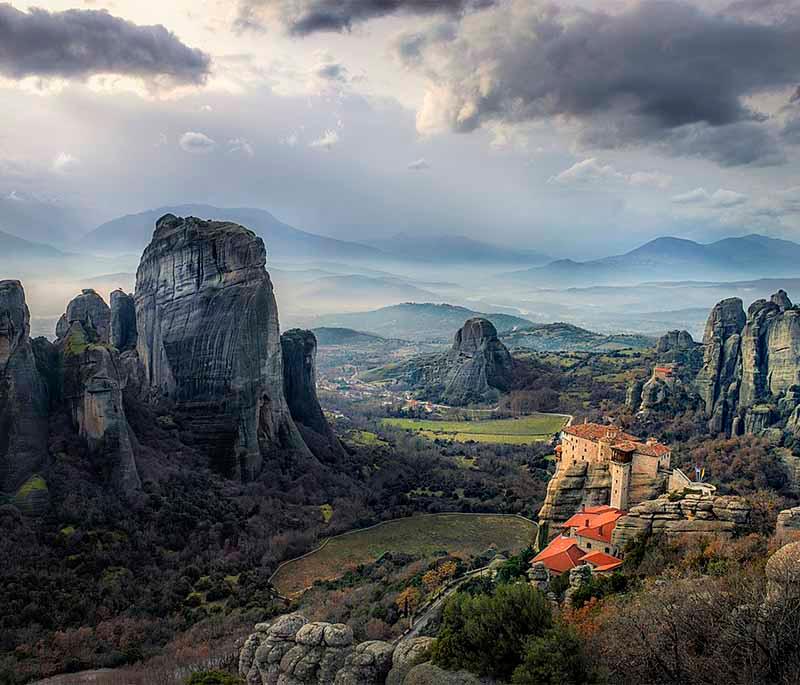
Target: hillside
(13,247)
(674,259)
(564,337)
(132,232)
(345,336)
(418,321)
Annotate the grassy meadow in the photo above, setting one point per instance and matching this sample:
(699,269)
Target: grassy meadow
(429,536)
(522,431)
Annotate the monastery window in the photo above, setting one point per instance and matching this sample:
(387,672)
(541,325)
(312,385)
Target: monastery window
(606,550)
(588,545)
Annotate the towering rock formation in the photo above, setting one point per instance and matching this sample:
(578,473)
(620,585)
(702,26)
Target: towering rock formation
(720,377)
(751,366)
(300,387)
(93,382)
(24,401)
(479,365)
(123,321)
(209,343)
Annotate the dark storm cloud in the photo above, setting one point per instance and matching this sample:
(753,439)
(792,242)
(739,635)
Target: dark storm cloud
(651,70)
(304,17)
(79,43)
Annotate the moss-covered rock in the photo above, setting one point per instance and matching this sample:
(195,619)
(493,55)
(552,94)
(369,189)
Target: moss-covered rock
(33,497)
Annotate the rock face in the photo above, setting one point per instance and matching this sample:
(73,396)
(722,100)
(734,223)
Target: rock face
(209,343)
(692,515)
(719,379)
(585,484)
(300,387)
(675,342)
(788,523)
(123,321)
(93,382)
(24,400)
(479,364)
(293,651)
(750,364)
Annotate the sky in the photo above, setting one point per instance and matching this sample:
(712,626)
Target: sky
(578,128)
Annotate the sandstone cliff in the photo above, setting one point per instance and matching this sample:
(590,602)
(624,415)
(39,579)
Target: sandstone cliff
(751,366)
(24,400)
(209,343)
(721,516)
(93,383)
(123,321)
(300,387)
(586,485)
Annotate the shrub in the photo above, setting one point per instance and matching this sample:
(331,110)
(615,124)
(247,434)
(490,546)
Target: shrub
(486,634)
(555,658)
(213,678)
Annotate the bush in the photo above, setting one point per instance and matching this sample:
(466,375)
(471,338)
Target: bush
(486,634)
(555,658)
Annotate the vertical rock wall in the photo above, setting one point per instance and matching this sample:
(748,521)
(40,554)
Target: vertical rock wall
(209,343)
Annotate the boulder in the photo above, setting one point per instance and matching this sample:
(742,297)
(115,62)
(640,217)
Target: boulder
(93,313)
(788,523)
(24,393)
(209,342)
(407,654)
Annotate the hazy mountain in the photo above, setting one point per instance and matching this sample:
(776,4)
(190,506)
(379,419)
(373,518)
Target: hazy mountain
(455,249)
(31,218)
(345,336)
(133,232)
(14,248)
(418,322)
(567,337)
(675,259)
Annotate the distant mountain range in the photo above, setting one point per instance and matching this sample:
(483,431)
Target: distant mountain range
(673,259)
(455,249)
(133,232)
(26,216)
(13,247)
(418,322)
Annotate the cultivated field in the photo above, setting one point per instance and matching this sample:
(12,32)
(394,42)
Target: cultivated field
(521,431)
(463,535)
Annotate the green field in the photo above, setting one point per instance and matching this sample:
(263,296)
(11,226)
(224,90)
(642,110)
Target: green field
(463,535)
(521,431)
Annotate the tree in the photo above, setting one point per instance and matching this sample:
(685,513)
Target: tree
(408,602)
(555,658)
(486,634)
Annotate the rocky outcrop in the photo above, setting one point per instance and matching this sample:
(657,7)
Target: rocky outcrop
(123,321)
(479,364)
(300,387)
(24,399)
(633,394)
(293,651)
(691,515)
(788,523)
(675,342)
(209,343)
(93,383)
(585,484)
(719,379)
(751,364)
(579,576)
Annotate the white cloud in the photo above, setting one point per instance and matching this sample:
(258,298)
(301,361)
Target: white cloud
(206,108)
(193,141)
(720,199)
(327,141)
(291,140)
(240,146)
(419,165)
(64,163)
(591,170)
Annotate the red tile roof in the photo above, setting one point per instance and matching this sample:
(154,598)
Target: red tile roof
(560,555)
(619,440)
(596,431)
(592,517)
(601,561)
